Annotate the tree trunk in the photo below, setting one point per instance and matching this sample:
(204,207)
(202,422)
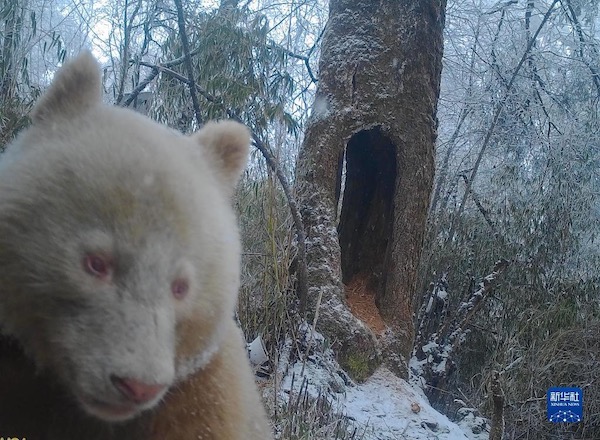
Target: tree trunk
(368,150)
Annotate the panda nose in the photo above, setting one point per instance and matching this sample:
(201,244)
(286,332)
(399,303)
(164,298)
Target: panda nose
(135,390)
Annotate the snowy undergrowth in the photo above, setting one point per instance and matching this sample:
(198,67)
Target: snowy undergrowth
(382,408)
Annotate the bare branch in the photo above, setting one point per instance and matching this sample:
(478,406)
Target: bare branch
(440,337)
(484,212)
(188,61)
(140,87)
(304,58)
(128,25)
(155,69)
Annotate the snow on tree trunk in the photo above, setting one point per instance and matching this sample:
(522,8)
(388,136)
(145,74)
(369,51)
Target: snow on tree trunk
(369,149)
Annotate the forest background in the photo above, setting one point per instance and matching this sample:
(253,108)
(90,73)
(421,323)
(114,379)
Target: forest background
(516,191)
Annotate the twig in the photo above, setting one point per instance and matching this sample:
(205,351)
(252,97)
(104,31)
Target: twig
(304,58)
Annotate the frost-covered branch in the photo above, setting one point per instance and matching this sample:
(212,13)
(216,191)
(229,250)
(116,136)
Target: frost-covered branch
(485,287)
(441,334)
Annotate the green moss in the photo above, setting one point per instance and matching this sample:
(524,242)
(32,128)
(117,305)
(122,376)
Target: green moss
(358,366)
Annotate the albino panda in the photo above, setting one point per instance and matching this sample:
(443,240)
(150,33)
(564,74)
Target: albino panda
(119,273)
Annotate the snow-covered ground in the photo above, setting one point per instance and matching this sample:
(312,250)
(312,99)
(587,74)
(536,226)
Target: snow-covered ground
(390,409)
(384,407)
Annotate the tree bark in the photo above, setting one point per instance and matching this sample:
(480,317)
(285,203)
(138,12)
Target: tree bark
(369,146)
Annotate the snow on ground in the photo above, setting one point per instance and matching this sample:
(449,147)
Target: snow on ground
(385,407)
(391,409)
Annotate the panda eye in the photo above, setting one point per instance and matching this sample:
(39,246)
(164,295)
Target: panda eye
(180,288)
(97,265)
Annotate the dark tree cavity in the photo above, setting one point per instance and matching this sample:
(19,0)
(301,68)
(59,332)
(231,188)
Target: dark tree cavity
(366,220)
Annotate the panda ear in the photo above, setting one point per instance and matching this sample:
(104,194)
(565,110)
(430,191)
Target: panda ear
(227,144)
(75,89)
